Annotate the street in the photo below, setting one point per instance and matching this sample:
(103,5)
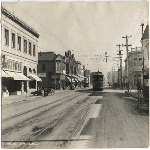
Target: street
(74,119)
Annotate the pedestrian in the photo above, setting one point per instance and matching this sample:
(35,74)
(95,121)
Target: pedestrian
(42,89)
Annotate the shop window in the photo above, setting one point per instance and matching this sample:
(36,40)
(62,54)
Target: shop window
(13,65)
(25,46)
(19,43)
(43,67)
(30,70)
(135,62)
(34,50)
(34,70)
(140,61)
(13,40)
(9,64)
(30,48)
(16,66)
(6,37)
(20,67)
(32,84)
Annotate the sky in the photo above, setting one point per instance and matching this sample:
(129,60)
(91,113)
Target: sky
(89,29)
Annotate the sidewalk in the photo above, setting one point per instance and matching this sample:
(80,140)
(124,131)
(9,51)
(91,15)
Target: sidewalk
(19,98)
(134,93)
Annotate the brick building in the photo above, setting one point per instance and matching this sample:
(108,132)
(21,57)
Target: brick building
(47,62)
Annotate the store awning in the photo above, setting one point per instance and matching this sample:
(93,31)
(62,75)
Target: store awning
(23,76)
(13,75)
(4,74)
(34,77)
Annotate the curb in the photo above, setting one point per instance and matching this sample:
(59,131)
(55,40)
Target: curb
(131,94)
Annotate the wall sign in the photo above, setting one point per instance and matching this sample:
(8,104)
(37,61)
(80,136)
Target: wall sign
(41,74)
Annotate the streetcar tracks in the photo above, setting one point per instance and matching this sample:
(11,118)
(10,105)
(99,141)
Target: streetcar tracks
(50,126)
(11,117)
(17,125)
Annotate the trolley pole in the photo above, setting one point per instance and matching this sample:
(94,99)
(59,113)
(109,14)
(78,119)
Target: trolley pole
(126,37)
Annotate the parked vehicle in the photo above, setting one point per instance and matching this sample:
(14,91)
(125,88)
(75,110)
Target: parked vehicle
(44,92)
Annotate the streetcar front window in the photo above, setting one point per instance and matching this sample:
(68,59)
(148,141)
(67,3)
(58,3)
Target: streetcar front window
(101,78)
(98,78)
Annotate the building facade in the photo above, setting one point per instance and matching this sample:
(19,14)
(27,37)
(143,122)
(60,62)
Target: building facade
(145,54)
(50,66)
(73,68)
(19,54)
(135,67)
(87,76)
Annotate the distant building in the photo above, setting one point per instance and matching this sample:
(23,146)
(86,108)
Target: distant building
(112,77)
(19,55)
(87,76)
(73,68)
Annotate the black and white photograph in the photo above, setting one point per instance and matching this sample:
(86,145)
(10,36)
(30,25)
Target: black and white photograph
(74,74)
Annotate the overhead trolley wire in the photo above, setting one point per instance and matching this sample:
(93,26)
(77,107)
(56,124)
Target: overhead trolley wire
(94,27)
(44,27)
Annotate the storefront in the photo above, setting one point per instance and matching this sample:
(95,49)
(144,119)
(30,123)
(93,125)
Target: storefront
(34,82)
(13,83)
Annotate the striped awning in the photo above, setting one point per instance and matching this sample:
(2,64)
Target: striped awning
(4,74)
(17,75)
(34,77)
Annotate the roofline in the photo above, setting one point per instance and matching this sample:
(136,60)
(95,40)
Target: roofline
(18,21)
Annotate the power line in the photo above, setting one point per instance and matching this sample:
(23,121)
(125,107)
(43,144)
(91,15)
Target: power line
(80,25)
(94,27)
(43,27)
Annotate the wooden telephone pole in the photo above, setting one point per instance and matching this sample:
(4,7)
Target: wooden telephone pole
(120,65)
(126,37)
(143,53)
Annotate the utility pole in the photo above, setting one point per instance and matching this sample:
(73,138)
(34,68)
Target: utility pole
(71,69)
(126,37)
(120,65)
(142,24)
(55,72)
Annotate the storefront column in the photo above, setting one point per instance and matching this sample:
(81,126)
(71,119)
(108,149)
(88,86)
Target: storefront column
(22,88)
(27,86)
(36,85)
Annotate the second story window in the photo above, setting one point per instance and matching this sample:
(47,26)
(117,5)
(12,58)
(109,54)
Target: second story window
(33,50)
(30,48)
(43,67)
(135,61)
(6,37)
(25,46)
(57,66)
(19,43)
(140,61)
(13,40)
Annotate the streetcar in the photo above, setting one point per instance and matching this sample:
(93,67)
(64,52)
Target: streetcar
(98,81)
